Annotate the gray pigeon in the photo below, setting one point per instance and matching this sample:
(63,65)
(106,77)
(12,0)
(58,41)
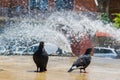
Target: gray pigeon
(82,62)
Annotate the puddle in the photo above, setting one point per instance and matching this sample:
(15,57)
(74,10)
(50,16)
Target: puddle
(23,67)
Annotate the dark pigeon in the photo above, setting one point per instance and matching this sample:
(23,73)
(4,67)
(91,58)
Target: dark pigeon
(40,58)
(82,62)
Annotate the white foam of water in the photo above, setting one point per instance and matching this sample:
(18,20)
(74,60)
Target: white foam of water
(50,30)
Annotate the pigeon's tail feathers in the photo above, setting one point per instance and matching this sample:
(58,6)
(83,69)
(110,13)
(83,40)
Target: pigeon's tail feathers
(72,68)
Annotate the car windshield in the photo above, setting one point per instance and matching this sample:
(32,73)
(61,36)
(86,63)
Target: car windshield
(102,51)
(96,50)
(105,51)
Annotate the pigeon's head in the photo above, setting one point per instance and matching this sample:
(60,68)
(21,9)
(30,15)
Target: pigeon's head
(41,45)
(88,51)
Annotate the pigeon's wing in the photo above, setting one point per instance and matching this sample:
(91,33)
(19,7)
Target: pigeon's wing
(79,61)
(87,60)
(82,60)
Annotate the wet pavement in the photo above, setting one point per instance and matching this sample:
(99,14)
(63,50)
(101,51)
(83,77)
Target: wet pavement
(23,67)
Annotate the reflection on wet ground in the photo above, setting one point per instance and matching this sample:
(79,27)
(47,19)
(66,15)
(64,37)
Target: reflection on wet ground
(23,67)
(40,76)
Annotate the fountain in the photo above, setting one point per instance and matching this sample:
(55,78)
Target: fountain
(57,28)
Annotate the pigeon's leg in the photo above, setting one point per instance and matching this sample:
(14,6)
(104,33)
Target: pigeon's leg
(80,70)
(42,69)
(37,69)
(45,69)
(84,70)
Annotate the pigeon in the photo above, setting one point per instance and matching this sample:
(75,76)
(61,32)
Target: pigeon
(82,62)
(40,57)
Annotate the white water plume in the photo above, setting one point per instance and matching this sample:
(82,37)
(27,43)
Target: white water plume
(51,29)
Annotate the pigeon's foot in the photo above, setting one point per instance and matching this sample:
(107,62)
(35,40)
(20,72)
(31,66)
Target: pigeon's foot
(83,71)
(45,69)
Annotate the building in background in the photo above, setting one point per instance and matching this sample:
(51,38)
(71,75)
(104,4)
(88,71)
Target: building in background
(77,5)
(13,7)
(110,7)
(24,6)
(18,7)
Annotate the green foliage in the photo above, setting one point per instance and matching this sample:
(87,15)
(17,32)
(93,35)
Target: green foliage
(117,20)
(104,17)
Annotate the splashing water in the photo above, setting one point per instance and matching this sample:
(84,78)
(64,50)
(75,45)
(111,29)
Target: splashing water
(54,29)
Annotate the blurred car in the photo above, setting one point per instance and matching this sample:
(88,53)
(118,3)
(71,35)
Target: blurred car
(49,47)
(2,50)
(105,52)
(118,53)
